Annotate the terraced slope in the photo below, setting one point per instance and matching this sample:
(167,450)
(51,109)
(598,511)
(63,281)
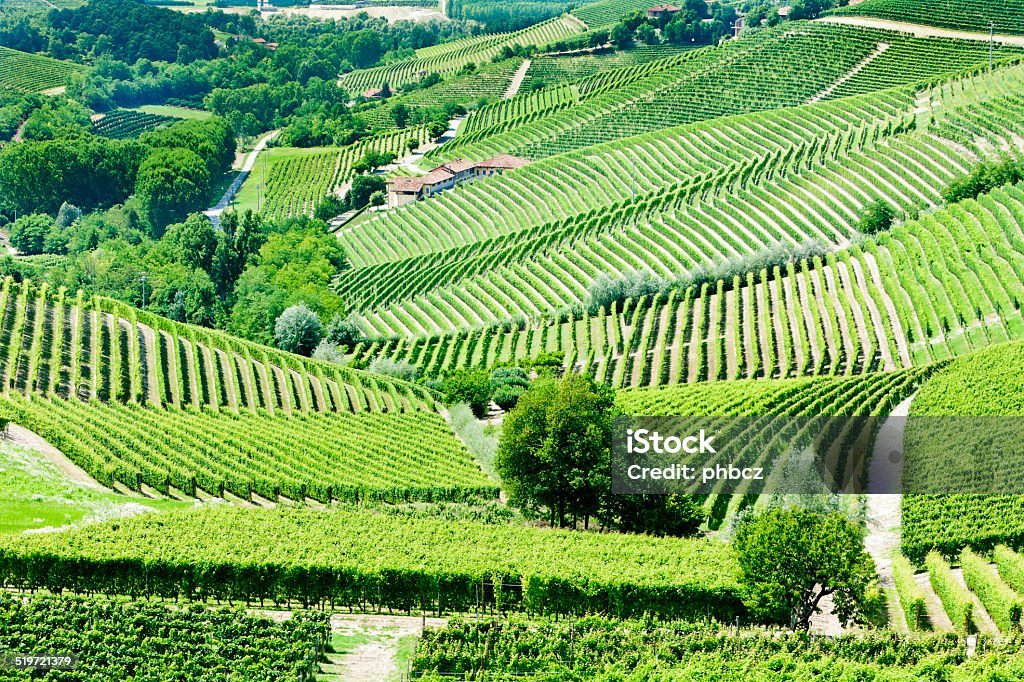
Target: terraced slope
(986,383)
(149,404)
(595,186)
(127,123)
(786,66)
(53,345)
(774,404)
(33,73)
(1007,16)
(448,58)
(294,181)
(889,294)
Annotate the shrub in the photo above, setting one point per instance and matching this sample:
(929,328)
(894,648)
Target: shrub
(329,207)
(471,386)
(984,177)
(298,330)
(876,217)
(507,395)
(326,351)
(398,370)
(343,332)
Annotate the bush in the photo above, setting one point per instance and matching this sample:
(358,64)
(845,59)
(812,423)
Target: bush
(29,232)
(343,332)
(876,217)
(298,330)
(326,351)
(605,290)
(397,370)
(984,177)
(506,396)
(329,207)
(505,376)
(470,386)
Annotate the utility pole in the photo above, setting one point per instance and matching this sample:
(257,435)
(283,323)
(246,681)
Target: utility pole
(991,45)
(143,278)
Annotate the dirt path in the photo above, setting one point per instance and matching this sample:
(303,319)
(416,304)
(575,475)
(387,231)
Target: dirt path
(933,605)
(33,441)
(152,389)
(920,31)
(375,640)
(517,80)
(885,475)
(878,51)
(215,212)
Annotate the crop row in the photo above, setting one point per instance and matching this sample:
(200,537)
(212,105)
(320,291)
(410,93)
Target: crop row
(54,345)
(360,559)
(33,73)
(448,58)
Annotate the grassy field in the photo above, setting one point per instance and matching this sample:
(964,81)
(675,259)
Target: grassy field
(35,494)
(175,112)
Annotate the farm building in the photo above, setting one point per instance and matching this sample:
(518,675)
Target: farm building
(661,10)
(403,190)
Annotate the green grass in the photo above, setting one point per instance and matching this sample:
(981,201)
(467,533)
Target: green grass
(246,196)
(35,494)
(175,112)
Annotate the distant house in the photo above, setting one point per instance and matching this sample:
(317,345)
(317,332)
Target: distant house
(659,11)
(374,93)
(784,13)
(737,26)
(404,190)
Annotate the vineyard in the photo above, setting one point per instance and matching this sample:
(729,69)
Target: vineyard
(361,560)
(604,13)
(126,396)
(199,644)
(33,73)
(126,123)
(777,68)
(1005,16)
(297,180)
(489,81)
(603,649)
(448,58)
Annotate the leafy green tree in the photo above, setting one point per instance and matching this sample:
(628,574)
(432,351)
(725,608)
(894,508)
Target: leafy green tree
(171,184)
(793,558)
(195,241)
(876,217)
(343,332)
(28,233)
(472,386)
(437,129)
(298,330)
(554,452)
(400,115)
(363,187)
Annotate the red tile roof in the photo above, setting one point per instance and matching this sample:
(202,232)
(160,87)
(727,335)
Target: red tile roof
(457,166)
(664,8)
(503,161)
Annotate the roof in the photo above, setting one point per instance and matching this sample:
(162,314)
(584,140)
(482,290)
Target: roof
(406,184)
(416,183)
(503,161)
(373,92)
(457,166)
(664,8)
(784,11)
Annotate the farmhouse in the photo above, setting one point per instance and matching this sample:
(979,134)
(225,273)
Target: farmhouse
(659,11)
(403,190)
